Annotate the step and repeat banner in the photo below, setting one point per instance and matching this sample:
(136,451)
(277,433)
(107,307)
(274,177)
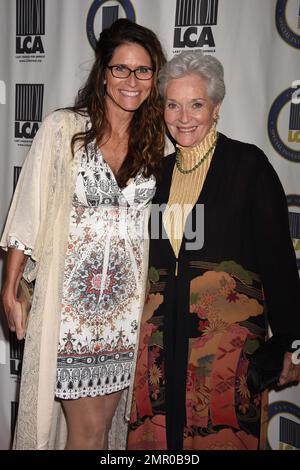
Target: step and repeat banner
(46,53)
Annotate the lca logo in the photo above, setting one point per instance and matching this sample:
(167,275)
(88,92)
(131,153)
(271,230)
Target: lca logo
(284,123)
(28,109)
(30,26)
(193,23)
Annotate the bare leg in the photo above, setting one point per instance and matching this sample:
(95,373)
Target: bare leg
(89,421)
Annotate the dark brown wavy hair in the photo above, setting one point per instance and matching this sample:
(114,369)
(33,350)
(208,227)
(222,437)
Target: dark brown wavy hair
(146,129)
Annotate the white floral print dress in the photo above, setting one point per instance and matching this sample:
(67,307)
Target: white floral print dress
(102,280)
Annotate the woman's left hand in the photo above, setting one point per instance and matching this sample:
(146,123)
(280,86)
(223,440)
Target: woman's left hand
(290,371)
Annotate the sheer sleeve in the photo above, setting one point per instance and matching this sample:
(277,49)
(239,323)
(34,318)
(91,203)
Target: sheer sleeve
(28,211)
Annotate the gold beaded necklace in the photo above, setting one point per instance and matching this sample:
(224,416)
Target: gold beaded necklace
(185,172)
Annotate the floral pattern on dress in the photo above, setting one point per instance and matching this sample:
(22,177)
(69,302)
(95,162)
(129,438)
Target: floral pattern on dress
(102,280)
(225,316)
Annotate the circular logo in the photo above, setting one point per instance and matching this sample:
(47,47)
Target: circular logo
(103,13)
(284,422)
(287,22)
(284,140)
(293,202)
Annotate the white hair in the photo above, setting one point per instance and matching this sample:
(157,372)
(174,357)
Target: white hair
(205,66)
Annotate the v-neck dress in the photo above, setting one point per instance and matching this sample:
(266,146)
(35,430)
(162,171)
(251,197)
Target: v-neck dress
(102,280)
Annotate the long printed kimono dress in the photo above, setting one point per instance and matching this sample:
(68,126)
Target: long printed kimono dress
(200,325)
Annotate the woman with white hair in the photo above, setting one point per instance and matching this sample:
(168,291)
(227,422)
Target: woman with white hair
(212,280)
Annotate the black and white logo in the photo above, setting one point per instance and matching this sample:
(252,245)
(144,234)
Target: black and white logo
(103,13)
(30,27)
(28,111)
(194,21)
(17,171)
(284,426)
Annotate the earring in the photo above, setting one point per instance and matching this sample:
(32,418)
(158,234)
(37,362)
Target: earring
(104,82)
(216,118)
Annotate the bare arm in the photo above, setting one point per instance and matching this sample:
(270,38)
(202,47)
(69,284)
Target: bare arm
(13,307)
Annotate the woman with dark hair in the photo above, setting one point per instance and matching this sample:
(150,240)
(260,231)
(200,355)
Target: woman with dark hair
(76,225)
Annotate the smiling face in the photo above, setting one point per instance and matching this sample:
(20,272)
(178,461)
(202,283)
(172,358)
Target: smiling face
(128,93)
(189,112)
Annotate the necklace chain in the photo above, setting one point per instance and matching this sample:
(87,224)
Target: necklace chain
(182,170)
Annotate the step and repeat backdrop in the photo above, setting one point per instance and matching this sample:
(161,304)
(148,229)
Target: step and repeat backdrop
(46,53)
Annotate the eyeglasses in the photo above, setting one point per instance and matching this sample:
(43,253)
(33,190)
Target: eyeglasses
(122,71)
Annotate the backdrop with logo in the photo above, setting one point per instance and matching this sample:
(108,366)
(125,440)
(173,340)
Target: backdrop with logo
(47,50)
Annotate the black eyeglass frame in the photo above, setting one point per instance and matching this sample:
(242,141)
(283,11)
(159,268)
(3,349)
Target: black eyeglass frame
(130,71)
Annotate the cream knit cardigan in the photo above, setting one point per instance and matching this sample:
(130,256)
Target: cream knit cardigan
(39,218)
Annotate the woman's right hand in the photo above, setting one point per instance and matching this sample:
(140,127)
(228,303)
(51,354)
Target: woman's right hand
(15,309)
(15,312)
